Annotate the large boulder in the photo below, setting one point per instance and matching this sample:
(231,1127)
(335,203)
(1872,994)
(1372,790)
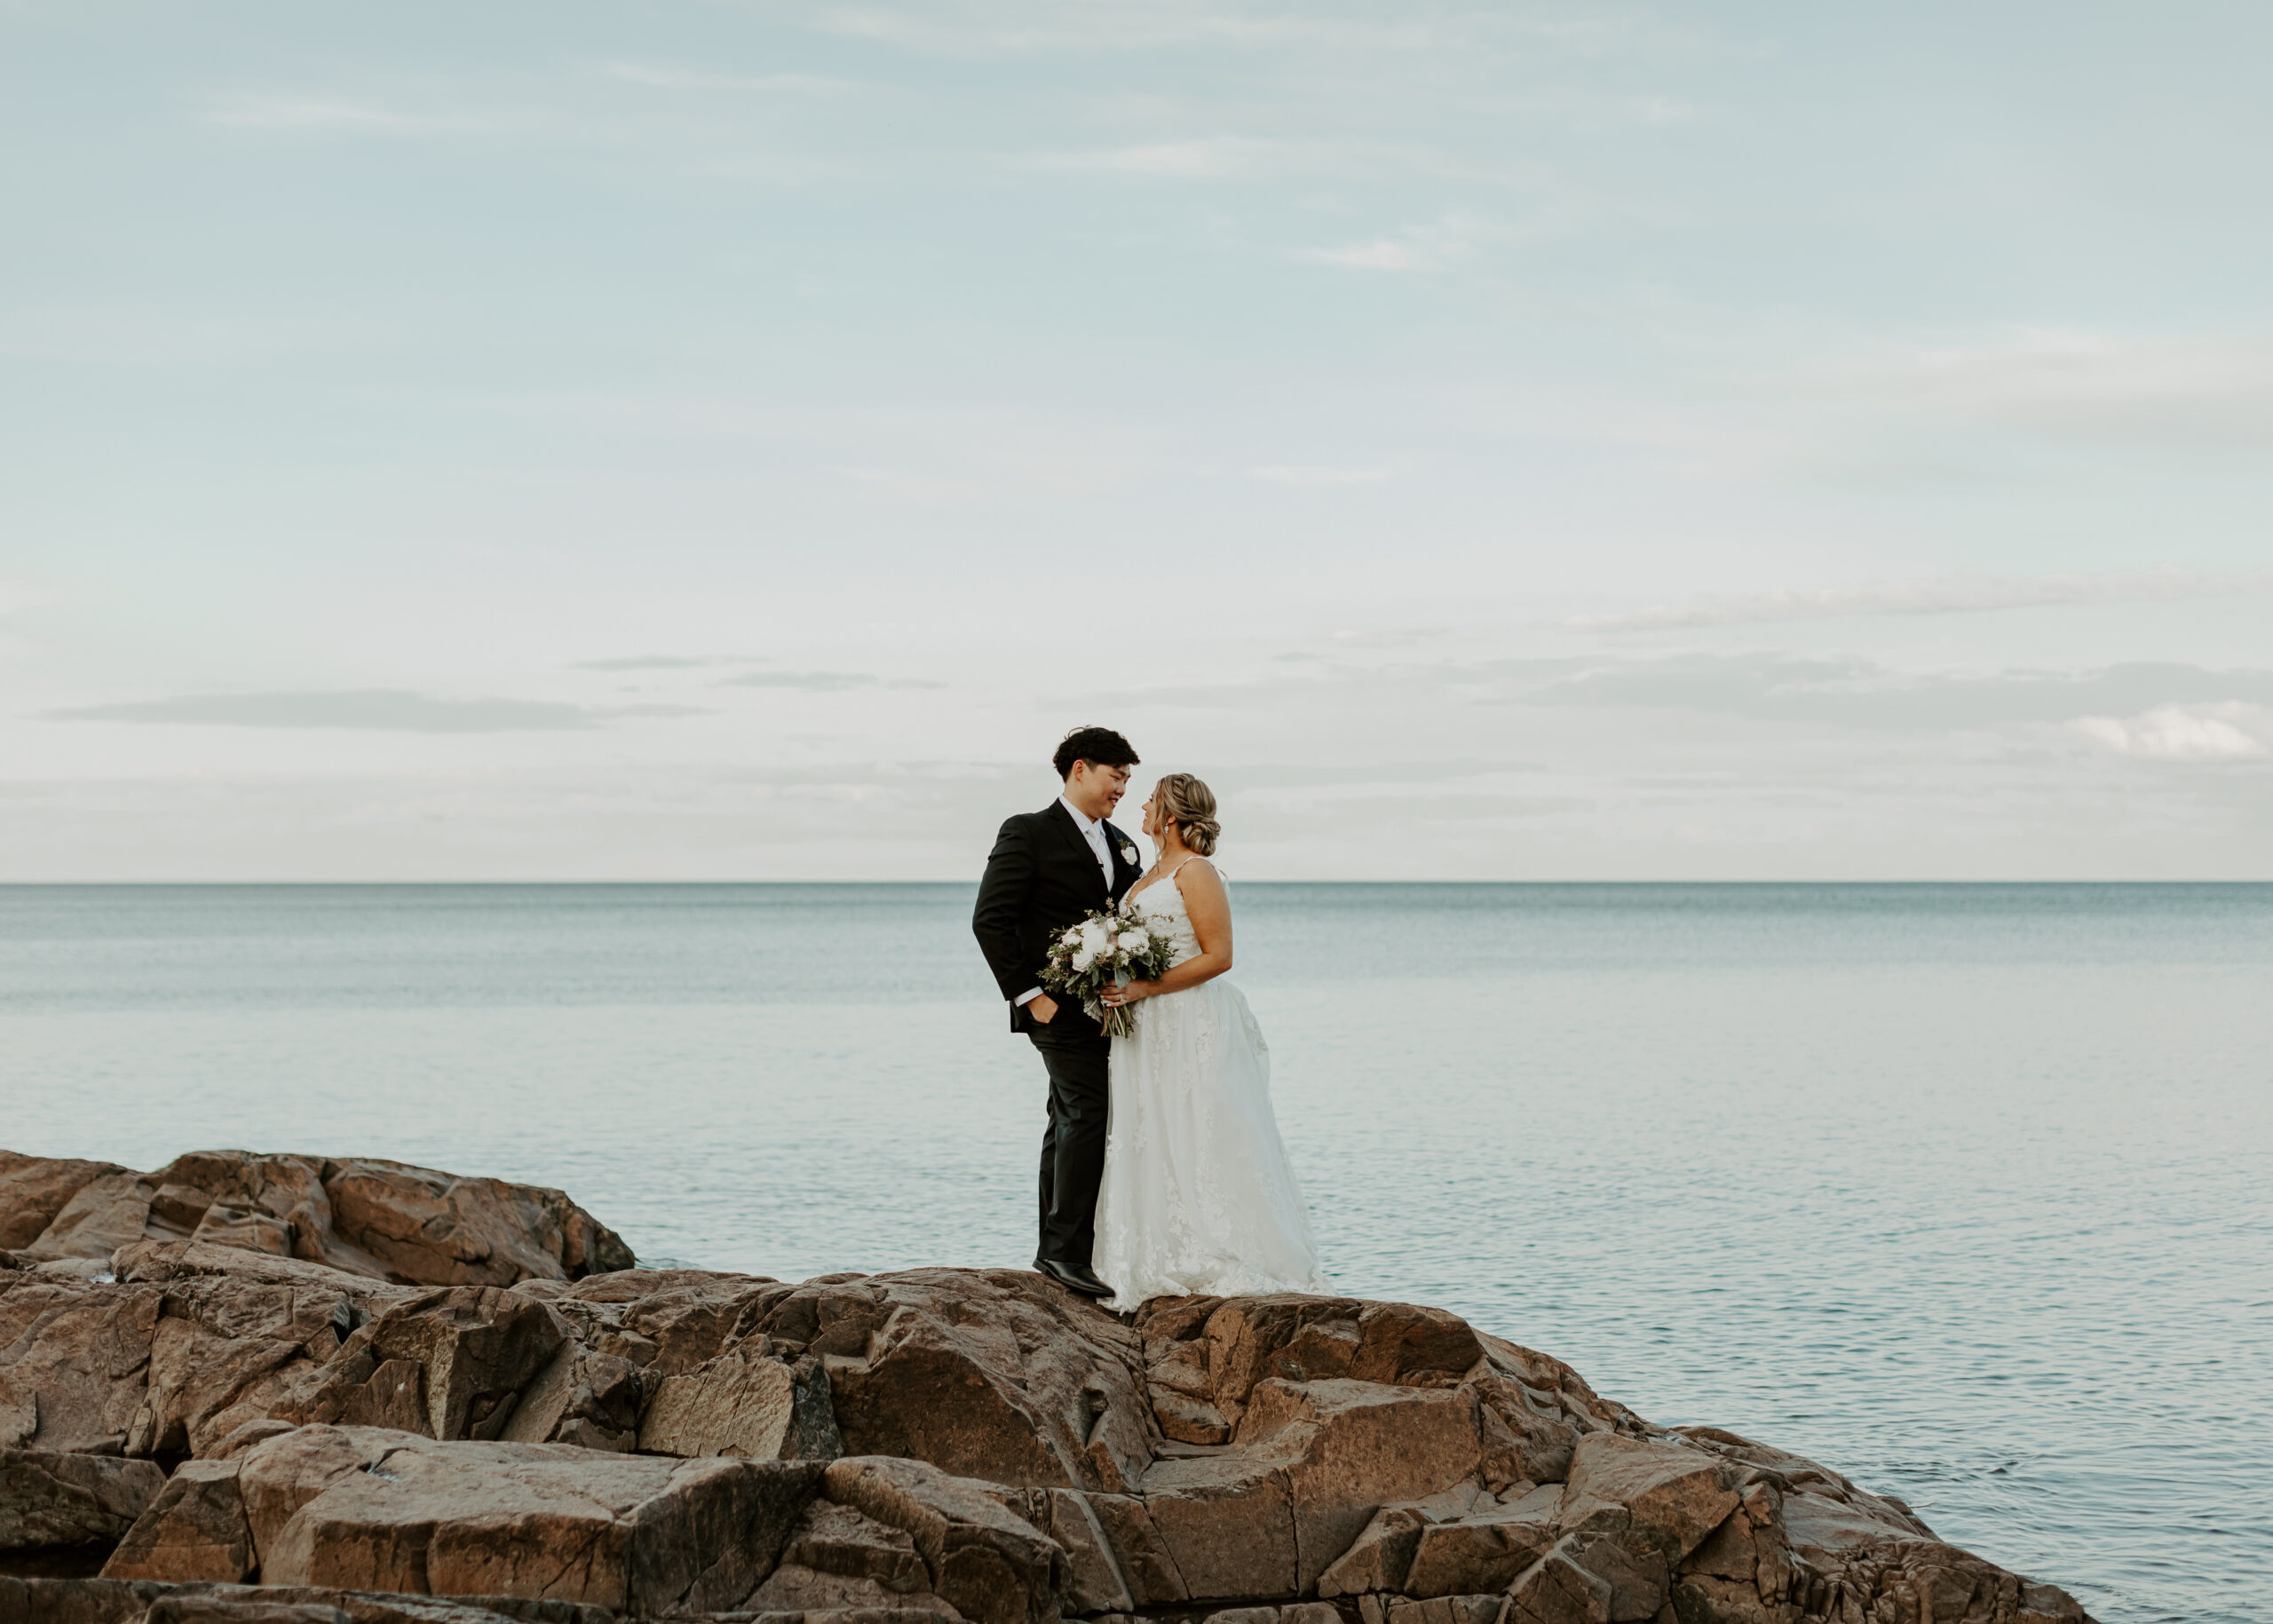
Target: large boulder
(33,1189)
(991,1566)
(992,1373)
(363,1508)
(75,1360)
(357,1507)
(760,1409)
(48,1499)
(386,1220)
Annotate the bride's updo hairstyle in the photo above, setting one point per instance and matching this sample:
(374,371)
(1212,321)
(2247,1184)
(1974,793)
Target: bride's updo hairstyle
(1191,805)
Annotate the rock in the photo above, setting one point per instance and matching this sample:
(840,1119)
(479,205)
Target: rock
(1634,1569)
(438,1229)
(1228,1526)
(1480,1609)
(1093,1580)
(1146,1565)
(103,1214)
(1673,1492)
(582,1397)
(759,1409)
(835,1539)
(988,1374)
(669,1321)
(383,1219)
(112,1601)
(992,1567)
(54,1499)
(1381,1556)
(33,1189)
(1303,1338)
(1017,1454)
(473,1350)
(167,1263)
(195,1528)
(1556,1590)
(1350,1447)
(1486,1549)
(1189,1421)
(361,1508)
(75,1358)
(225,1346)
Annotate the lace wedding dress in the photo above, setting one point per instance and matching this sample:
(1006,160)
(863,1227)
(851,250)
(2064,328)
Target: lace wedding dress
(1196,1195)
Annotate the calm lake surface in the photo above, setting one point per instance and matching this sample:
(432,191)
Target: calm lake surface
(1966,1191)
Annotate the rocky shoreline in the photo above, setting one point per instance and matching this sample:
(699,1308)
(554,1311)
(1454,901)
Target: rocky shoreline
(288,1389)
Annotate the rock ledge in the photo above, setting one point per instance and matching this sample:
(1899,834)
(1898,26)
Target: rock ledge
(282,1389)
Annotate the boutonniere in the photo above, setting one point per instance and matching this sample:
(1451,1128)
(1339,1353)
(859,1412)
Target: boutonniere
(1128,854)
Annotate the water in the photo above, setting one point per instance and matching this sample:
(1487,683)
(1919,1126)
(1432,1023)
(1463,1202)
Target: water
(1963,1189)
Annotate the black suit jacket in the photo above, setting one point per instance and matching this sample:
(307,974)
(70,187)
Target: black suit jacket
(1041,877)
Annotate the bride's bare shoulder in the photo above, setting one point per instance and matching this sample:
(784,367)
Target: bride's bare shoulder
(1199,872)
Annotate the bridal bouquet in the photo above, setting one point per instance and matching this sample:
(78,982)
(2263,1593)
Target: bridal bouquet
(1112,945)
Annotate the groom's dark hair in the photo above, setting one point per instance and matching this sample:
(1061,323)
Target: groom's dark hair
(1100,746)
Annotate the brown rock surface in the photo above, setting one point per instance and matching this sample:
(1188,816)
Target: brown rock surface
(194,1529)
(760,1409)
(75,1360)
(386,1220)
(33,1189)
(50,1499)
(118,1601)
(929,1447)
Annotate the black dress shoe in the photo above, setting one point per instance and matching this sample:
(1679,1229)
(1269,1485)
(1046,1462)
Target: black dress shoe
(1074,1277)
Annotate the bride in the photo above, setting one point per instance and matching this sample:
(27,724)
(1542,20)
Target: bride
(1196,1195)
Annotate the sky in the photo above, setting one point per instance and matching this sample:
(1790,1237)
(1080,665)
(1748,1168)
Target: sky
(736,441)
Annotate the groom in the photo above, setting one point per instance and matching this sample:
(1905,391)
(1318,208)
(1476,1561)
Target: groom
(1049,869)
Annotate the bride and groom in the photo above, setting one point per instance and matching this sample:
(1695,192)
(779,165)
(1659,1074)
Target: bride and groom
(1162,1172)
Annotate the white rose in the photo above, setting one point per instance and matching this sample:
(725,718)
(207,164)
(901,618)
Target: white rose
(1073,935)
(1084,959)
(1134,941)
(1095,938)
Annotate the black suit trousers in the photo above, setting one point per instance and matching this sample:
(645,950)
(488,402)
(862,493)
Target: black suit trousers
(1073,1146)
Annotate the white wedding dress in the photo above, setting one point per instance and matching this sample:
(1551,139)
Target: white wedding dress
(1196,1195)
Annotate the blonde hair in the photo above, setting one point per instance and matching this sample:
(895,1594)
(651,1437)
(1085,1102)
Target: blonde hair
(1191,805)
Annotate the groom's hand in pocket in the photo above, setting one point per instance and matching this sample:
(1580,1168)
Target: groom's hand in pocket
(1043,1009)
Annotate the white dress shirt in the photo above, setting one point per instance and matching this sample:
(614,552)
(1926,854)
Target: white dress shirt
(1093,831)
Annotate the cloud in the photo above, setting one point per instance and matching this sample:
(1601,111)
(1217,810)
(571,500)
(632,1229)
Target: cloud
(2191,391)
(653,662)
(1854,692)
(2230,730)
(821,681)
(1207,158)
(1843,692)
(1381,254)
(1279,473)
(256,112)
(1434,245)
(17,595)
(1964,594)
(995,29)
(385,710)
(667,78)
